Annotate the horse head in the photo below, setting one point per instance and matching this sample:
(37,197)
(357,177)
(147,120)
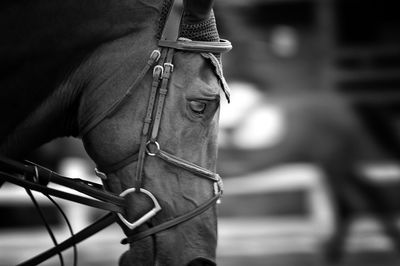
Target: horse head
(188,129)
(156,145)
(147,108)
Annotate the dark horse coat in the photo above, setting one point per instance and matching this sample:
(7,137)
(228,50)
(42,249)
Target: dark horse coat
(54,51)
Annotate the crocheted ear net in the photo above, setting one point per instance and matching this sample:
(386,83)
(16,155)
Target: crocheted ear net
(203,31)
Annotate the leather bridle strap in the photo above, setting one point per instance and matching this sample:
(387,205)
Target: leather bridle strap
(193,168)
(171,223)
(189,166)
(180,44)
(161,74)
(188,45)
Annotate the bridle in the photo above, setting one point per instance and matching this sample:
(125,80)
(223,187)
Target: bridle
(35,177)
(162,62)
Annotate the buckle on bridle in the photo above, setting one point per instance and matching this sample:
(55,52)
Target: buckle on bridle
(100,174)
(149,150)
(218,188)
(170,65)
(155,55)
(158,72)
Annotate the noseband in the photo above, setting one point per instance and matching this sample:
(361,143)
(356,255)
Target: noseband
(161,62)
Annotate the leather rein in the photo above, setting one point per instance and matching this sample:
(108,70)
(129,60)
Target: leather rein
(35,177)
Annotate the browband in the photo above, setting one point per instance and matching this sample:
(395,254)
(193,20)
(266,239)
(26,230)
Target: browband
(184,44)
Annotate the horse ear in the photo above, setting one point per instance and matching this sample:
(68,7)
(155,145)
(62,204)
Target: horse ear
(218,71)
(205,30)
(197,11)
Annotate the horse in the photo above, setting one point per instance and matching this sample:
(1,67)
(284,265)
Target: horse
(320,128)
(140,83)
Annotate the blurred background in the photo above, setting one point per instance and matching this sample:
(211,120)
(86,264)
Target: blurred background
(309,145)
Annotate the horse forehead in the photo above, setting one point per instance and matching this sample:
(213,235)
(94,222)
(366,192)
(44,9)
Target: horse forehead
(196,73)
(189,62)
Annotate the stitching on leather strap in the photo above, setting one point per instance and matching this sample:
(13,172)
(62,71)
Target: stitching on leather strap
(189,166)
(222,46)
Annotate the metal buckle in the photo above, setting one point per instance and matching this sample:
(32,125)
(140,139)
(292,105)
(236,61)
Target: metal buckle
(148,151)
(158,75)
(155,55)
(100,174)
(170,65)
(145,217)
(218,188)
(36,176)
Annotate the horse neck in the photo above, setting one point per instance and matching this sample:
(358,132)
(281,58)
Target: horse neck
(54,117)
(36,107)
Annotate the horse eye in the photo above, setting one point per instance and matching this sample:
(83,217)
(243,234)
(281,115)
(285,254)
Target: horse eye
(197,107)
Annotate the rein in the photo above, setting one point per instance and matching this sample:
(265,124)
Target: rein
(35,177)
